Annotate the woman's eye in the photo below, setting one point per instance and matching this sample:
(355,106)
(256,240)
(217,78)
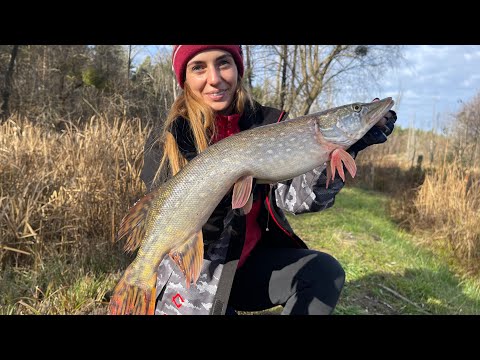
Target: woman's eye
(196,68)
(223,63)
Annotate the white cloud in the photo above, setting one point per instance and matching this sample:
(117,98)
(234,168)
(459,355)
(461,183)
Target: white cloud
(433,80)
(471,80)
(474,55)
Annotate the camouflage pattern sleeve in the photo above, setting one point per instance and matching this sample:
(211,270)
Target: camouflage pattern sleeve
(307,192)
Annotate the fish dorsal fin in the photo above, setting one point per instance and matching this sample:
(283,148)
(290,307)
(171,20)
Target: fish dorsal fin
(189,257)
(133,224)
(241,191)
(337,157)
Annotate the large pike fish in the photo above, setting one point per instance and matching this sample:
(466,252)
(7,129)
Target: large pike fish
(169,220)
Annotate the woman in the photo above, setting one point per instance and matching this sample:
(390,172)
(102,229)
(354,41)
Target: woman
(255,261)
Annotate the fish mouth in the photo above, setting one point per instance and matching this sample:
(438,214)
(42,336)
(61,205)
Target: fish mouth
(379,109)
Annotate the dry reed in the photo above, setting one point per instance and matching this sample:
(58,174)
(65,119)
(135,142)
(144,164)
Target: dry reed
(449,203)
(63,193)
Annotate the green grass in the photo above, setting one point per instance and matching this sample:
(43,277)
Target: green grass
(387,271)
(61,287)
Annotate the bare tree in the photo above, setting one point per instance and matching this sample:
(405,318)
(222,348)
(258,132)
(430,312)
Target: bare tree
(249,69)
(467,131)
(310,71)
(129,63)
(132,52)
(283,69)
(5,109)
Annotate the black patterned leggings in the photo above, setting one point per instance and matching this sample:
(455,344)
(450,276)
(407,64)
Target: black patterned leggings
(303,281)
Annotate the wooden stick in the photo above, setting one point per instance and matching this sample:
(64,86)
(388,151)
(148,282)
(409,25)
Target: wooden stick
(403,298)
(15,250)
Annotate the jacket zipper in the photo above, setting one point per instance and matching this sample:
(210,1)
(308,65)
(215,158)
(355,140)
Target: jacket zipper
(274,219)
(268,219)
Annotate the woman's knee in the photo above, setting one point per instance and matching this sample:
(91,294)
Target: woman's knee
(328,269)
(320,283)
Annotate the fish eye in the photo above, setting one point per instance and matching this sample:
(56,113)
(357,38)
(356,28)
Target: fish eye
(356,107)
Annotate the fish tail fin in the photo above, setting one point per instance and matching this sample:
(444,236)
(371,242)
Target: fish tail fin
(129,299)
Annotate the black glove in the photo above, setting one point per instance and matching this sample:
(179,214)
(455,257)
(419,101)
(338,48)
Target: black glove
(376,135)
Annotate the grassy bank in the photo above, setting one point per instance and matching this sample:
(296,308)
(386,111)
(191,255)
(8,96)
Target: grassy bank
(387,270)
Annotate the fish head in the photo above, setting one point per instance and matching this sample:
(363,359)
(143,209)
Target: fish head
(345,125)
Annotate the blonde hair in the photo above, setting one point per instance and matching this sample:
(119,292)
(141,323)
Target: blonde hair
(201,119)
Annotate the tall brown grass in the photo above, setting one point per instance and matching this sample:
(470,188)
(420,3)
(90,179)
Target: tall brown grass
(439,201)
(62,196)
(448,203)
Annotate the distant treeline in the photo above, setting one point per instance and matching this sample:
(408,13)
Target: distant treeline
(46,83)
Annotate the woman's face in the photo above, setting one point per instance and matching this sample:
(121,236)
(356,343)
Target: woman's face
(212,75)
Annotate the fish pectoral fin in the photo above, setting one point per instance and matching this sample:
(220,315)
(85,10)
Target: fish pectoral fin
(241,191)
(189,257)
(248,206)
(339,156)
(133,224)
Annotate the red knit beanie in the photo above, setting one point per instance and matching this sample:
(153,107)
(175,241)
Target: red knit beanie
(183,53)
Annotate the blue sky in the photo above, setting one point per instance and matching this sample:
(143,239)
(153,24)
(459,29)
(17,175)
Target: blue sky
(430,85)
(433,83)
